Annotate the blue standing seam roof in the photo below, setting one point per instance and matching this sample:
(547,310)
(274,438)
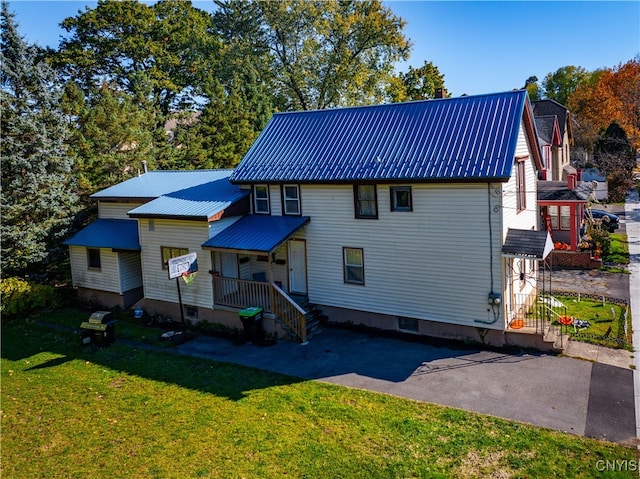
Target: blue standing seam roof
(196,202)
(108,233)
(259,233)
(154,184)
(464,138)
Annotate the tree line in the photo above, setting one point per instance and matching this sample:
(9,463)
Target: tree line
(183,88)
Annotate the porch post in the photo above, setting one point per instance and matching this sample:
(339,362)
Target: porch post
(270,270)
(574,226)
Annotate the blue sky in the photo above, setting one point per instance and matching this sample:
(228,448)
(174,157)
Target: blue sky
(479,46)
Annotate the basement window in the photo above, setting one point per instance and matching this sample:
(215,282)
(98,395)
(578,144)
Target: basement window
(408,324)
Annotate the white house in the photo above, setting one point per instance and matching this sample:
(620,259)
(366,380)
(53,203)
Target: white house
(418,217)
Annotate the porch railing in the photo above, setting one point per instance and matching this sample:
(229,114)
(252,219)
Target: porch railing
(240,293)
(536,312)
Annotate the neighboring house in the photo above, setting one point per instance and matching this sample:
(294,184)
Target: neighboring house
(562,205)
(555,144)
(418,217)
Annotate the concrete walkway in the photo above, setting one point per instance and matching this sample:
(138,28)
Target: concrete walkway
(632,224)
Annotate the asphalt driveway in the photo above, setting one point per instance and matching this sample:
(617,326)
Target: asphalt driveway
(562,393)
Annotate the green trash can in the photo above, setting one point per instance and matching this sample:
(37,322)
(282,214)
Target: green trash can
(252,323)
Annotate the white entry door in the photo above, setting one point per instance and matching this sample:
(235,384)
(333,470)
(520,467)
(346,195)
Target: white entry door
(298,266)
(229,269)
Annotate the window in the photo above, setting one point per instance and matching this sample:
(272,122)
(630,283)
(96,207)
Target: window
(560,217)
(521,185)
(553,215)
(93,258)
(353,265)
(401,198)
(171,252)
(291,199)
(565,217)
(366,201)
(408,324)
(261,199)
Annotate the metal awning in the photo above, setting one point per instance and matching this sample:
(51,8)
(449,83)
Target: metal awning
(527,244)
(257,234)
(108,233)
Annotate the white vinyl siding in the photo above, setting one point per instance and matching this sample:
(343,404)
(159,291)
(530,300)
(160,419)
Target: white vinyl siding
(105,278)
(183,234)
(526,219)
(432,265)
(116,211)
(130,271)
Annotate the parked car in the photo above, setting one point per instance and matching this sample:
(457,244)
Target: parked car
(611,221)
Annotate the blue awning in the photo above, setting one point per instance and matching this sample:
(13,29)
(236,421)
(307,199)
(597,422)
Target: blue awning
(257,234)
(108,233)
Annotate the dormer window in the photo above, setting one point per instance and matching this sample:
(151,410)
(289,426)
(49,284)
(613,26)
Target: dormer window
(261,199)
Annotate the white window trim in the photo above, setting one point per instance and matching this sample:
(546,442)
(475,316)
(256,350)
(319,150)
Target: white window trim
(255,200)
(285,199)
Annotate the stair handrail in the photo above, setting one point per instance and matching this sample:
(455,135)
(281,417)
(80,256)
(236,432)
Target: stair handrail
(299,329)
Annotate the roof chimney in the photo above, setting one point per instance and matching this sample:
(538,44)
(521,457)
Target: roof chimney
(440,93)
(144,166)
(571,182)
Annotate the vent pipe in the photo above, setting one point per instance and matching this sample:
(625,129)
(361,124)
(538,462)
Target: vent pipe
(144,166)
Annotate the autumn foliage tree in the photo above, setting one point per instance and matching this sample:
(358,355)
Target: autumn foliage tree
(613,96)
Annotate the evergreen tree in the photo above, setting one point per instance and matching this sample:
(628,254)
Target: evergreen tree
(38,198)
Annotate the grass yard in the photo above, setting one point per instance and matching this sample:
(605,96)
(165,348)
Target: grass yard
(618,249)
(126,412)
(607,321)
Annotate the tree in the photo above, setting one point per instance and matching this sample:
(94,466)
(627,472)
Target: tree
(531,85)
(609,95)
(614,156)
(421,83)
(38,198)
(157,53)
(331,53)
(111,139)
(563,82)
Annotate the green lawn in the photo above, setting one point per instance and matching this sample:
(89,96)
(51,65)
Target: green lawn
(618,249)
(126,412)
(607,321)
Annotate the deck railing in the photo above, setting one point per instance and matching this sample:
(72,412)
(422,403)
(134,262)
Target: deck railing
(240,293)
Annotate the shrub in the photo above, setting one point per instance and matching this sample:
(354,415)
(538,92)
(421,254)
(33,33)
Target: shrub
(20,297)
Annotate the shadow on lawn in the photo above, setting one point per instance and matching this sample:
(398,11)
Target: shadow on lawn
(23,340)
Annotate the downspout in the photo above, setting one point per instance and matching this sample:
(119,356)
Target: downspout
(494,298)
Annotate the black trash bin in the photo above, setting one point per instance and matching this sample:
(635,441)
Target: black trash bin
(252,323)
(99,330)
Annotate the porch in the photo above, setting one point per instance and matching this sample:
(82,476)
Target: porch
(529,309)
(258,262)
(295,312)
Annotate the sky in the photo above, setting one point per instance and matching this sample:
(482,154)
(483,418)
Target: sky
(479,46)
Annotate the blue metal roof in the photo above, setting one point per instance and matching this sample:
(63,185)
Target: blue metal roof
(108,233)
(154,184)
(197,202)
(257,233)
(464,138)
